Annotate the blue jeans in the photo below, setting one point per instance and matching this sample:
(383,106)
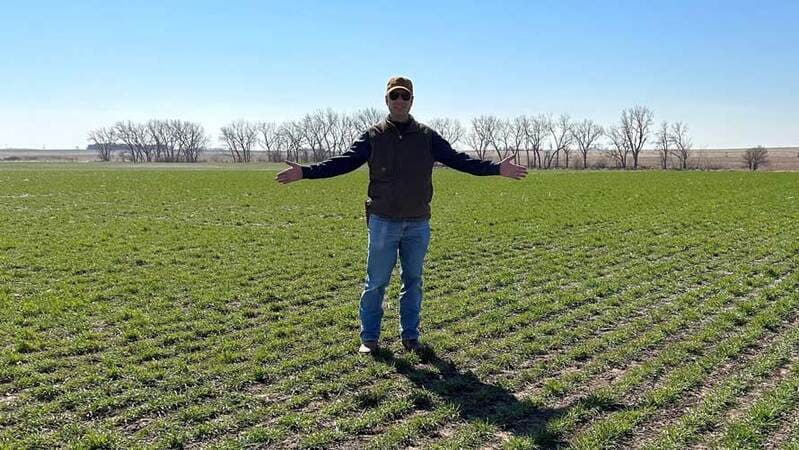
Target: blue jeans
(387,238)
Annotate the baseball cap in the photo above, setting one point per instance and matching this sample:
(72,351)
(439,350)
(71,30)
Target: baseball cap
(399,83)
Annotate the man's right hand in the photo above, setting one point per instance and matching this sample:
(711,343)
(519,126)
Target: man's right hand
(293,173)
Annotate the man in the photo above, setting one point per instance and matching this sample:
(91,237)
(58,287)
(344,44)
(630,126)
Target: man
(400,153)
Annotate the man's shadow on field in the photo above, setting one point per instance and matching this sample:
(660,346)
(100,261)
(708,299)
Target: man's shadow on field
(476,400)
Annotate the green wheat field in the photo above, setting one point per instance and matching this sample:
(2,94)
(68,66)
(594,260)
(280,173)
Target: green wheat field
(209,307)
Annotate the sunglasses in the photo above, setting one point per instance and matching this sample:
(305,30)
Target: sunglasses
(393,95)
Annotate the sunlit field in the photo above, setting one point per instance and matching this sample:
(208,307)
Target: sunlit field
(210,306)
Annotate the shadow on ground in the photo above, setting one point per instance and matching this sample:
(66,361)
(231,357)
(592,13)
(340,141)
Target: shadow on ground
(476,400)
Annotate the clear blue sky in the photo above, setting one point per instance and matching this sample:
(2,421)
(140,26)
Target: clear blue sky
(729,69)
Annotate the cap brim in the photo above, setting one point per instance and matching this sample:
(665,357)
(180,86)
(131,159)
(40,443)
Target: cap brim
(399,87)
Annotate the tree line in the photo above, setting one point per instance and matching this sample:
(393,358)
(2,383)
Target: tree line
(545,142)
(152,141)
(539,141)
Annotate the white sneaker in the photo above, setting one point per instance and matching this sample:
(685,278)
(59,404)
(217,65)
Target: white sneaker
(367,347)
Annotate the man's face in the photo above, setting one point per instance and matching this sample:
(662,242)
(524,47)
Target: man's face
(399,102)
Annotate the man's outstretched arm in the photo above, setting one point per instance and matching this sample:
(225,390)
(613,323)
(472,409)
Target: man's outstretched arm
(444,153)
(348,161)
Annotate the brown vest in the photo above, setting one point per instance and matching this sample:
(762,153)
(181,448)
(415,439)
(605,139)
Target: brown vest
(400,171)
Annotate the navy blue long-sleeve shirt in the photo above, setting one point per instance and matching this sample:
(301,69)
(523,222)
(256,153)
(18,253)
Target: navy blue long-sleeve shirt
(361,150)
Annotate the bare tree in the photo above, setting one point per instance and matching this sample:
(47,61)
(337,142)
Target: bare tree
(663,144)
(635,124)
(494,127)
(271,140)
(345,131)
(124,134)
(137,138)
(190,139)
(174,152)
(145,141)
(681,142)
(240,137)
(450,129)
(755,157)
(482,135)
(562,139)
(104,140)
(586,134)
(291,133)
(318,132)
(518,134)
(536,129)
(475,143)
(312,130)
(164,138)
(159,134)
(365,118)
(160,140)
(334,131)
(619,149)
(509,139)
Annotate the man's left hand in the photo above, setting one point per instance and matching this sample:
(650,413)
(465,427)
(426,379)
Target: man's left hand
(510,170)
